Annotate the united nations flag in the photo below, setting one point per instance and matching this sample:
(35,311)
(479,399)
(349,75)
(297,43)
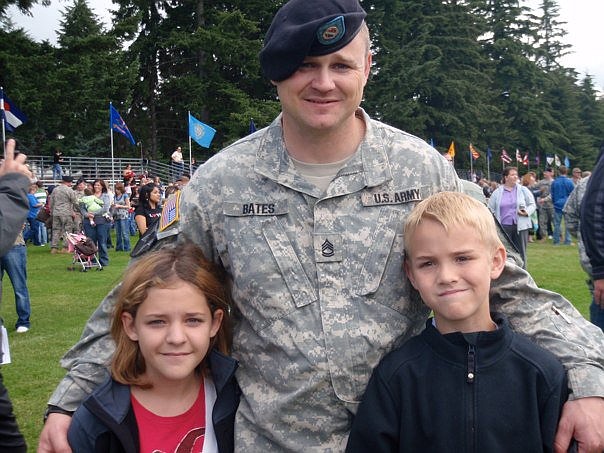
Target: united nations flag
(200,132)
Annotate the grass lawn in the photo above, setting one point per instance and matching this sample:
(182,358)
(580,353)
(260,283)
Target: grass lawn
(63,300)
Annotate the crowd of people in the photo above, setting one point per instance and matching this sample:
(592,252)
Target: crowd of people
(94,209)
(547,217)
(313,252)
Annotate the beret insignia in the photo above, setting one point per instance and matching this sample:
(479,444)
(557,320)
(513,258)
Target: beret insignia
(332,31)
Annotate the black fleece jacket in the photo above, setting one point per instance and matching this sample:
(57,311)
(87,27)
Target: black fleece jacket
(482,392)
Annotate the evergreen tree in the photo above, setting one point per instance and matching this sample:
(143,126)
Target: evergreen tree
(549,46)
(518,79)
(90,73)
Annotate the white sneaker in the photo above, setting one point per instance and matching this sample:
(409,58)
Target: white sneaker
(22,329)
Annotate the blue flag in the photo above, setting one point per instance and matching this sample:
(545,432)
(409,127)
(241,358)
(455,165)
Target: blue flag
(252,126)
(13,117)
(489,153)
(566,162)
(200,132)
(117,124)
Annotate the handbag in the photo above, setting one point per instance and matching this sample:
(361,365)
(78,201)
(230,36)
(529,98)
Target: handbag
(43,214)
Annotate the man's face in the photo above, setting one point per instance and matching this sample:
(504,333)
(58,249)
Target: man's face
(324,92)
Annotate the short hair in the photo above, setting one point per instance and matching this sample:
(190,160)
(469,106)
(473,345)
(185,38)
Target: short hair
(161,269)
(526,178)
(506,172)
(88,191)
(453,209)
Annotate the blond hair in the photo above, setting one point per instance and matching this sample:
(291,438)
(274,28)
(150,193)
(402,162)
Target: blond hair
(161,269)
(454,209)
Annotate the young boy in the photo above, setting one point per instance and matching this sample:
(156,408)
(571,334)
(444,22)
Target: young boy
(467,382)
(91,203)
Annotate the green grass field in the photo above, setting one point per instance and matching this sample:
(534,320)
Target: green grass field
(63,300)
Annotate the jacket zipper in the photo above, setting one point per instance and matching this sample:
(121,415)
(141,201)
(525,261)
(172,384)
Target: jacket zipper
(470,377)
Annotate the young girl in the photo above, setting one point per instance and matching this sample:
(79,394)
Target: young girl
(172,389)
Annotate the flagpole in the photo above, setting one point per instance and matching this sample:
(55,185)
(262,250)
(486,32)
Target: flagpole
(112,164)
(3,131)
(189,135)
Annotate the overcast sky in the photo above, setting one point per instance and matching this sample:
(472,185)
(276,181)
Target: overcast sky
(583,21)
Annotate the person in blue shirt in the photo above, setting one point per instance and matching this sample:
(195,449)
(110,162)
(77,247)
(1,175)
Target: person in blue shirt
(561,189)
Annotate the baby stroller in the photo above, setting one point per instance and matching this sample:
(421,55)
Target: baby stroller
(84,252)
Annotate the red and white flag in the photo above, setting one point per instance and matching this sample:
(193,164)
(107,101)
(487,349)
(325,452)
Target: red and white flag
(505,156)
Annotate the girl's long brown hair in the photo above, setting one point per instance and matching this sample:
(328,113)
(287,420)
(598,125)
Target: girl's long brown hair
(160,269)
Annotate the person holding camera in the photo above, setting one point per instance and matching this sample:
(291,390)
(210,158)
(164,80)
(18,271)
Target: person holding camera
(512,203)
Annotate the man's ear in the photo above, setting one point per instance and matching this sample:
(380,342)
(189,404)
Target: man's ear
(368,66)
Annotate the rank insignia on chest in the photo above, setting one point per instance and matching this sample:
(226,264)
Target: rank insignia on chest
(170,213)
(328,247)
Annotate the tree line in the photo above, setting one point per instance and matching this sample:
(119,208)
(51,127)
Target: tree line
(485,72)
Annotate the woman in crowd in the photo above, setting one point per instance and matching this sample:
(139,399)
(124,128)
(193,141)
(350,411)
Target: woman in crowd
(148,210)
(128,173)
(513,204)
(96,225)
(529,180)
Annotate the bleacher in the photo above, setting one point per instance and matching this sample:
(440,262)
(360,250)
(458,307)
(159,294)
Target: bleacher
(90,168)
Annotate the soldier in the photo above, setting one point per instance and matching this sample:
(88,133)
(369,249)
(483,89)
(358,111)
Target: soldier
(304,216)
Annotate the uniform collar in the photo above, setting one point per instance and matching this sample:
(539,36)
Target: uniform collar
(369,164)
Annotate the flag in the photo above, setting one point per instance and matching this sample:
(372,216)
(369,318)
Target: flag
(451,151)
(549,159)
(537,160)
(13,117)
(475,154)
(566,161)
(119,125)
(489,154)
(252,126)
(200,132)
(505,157)
(432,142)
(525,160)
(557,160)
(518,156)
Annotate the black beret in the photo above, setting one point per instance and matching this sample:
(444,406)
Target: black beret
(304,28)
(67,178)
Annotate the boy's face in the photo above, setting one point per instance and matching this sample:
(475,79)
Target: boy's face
(452,272)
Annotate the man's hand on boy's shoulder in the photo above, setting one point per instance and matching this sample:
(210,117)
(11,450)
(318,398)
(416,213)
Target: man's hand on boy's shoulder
(581,420)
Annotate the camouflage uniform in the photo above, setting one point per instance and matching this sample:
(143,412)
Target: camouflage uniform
(63,206)
(546,209)
(572,217)
(318,286)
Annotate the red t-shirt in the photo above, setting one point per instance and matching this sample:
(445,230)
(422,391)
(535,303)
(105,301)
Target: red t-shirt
(184,433)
